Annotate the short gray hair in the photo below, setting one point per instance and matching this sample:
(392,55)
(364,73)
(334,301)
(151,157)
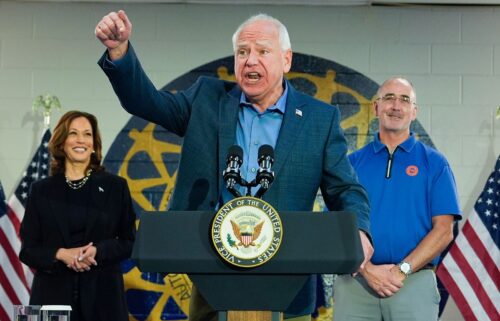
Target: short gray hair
(284,38)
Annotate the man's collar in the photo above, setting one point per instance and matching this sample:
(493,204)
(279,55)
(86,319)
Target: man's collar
(407,145)
(279,106)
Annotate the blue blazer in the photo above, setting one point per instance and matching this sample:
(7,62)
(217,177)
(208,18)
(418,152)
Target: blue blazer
(310,151)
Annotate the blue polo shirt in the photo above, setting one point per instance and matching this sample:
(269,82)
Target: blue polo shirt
(406,189)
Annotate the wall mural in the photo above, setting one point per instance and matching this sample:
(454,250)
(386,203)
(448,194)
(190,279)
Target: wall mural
(147,156)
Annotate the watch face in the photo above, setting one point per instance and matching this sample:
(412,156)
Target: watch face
(405,268)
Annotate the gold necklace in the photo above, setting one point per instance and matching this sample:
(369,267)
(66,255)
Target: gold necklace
(79,184)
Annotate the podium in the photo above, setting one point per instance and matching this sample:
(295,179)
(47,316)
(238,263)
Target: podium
(313,243)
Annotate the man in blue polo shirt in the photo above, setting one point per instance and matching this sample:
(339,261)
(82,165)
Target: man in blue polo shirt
(414,202)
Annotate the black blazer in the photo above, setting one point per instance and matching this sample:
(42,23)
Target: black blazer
(110,226)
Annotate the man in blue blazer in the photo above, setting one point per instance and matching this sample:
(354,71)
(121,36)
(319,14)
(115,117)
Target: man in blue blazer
(261,108)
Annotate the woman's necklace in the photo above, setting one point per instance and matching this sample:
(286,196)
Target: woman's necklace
(79,184)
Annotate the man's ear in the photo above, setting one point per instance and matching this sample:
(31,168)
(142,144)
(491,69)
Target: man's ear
(287,61)
(375,108)
(414,112)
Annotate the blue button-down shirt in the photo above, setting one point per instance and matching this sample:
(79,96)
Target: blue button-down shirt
(253,130)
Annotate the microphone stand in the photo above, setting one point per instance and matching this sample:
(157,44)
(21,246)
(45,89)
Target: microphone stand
(249,186)
(264,178)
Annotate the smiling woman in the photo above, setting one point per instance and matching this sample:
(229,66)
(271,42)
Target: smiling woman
(76,145)
(78,226)
(79,143)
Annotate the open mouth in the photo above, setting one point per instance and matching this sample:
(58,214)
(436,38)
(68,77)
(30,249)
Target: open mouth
(80,149)
(253,76)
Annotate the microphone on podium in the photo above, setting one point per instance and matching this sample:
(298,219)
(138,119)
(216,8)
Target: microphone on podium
(265,176)
(232,172)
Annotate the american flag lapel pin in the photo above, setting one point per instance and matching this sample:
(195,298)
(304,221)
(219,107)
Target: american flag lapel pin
(298,112)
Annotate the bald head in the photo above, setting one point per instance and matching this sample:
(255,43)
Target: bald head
(397,80)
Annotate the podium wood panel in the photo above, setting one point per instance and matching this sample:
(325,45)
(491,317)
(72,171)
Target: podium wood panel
(251,316)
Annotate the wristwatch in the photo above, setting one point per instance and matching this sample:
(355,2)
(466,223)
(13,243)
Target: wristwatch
(405,268)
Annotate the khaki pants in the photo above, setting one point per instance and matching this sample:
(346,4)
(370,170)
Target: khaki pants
(417,300)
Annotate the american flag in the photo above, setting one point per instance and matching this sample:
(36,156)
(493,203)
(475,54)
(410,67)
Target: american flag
(15,277)
(470,271)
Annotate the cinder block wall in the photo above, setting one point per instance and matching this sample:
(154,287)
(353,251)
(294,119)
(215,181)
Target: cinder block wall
(452,55)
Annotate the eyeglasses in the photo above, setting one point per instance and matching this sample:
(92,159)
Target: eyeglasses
(391,98)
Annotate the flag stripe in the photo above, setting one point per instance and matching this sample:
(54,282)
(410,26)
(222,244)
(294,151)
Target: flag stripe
(11,256)
(491,251)
(480,259)
(11,239)
(453,287)
(14,220)
(471,277)
(470,270)
(12,277)
(7,287)
(15,277)
(5,305)
(17,207)
(477,248)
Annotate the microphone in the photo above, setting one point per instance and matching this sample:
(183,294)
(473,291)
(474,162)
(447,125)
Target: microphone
(265,176)
(232,172)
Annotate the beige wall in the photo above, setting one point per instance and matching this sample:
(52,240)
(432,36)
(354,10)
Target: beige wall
(452,54)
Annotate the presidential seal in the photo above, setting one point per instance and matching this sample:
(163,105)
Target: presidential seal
(247,232)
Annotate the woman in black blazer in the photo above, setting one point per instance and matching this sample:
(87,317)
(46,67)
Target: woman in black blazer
(78,226)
